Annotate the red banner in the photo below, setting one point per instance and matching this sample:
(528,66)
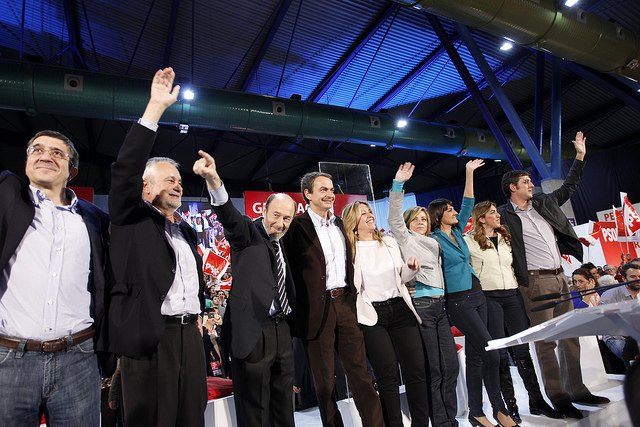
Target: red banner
(611,247)
(254,202)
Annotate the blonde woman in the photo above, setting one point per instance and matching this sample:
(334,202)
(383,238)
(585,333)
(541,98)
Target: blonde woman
(411,231)
(490,248)
(387,317)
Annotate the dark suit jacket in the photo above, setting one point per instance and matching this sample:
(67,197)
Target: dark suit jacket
(548,206)
(16,215)
(142,259)
(254,281)
(309,274)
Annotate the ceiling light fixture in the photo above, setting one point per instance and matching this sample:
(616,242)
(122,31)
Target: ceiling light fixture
(188,95)
(401,123)
(506,45)
(570,3)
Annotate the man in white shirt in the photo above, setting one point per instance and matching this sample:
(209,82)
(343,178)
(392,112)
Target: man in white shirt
(322,268)
(52,260)
(157,293)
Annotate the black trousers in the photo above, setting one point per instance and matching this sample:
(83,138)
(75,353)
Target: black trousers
(396,339)
(263,382)
(505,311)
(168,388)
(469,313)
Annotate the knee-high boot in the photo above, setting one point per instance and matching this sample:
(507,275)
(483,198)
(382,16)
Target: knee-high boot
(506,386)
(537,404)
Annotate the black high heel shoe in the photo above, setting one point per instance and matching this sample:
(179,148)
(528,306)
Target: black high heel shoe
(495,416)
(474,422)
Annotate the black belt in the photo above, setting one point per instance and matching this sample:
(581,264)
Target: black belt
(277,318)
(49,346)
(546,272)
(337,292)
(182,319)
(387,302)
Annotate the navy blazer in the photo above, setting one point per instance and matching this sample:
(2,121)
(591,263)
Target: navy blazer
(253,259)
(16,215)
(142,259)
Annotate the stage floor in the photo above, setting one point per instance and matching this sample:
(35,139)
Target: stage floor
(612,415)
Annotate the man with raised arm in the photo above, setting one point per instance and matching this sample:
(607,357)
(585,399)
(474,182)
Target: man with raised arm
(261,305)
(157,293)
(540,234)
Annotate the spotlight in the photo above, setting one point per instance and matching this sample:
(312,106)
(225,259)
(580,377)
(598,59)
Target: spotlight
(401,123)
(372,145)
(570,3)
(506,45)
(188,95)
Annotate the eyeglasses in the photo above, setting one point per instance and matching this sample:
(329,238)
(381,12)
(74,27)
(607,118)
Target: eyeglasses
(55,153)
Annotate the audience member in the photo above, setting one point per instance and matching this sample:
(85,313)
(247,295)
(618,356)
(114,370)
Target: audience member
(624,347)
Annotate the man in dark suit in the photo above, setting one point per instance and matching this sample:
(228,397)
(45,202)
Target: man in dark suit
(52,259)
(262,299)
(157,292)
(322,268)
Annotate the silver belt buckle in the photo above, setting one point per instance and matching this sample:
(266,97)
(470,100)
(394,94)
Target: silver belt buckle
(182,317)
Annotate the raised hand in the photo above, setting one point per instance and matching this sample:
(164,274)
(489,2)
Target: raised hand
(405,171)
(474,164)
(206,168)
(163,94)
(162,89)
(580,143)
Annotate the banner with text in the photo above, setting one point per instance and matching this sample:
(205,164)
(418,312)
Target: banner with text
(254,202)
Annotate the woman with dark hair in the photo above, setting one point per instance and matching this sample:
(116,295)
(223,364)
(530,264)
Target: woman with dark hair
(466,303)
(490,248)
(411,231)
(388,320)
(582,280)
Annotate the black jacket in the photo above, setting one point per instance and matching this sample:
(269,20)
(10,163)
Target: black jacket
(548,206)
(16,215)
(142,259)
(254,281)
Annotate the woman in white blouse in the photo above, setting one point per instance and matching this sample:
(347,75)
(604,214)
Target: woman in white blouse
(387,317)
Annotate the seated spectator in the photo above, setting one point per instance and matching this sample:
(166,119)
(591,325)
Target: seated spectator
(583,280)
(606,280)
(626,348)
(593,270)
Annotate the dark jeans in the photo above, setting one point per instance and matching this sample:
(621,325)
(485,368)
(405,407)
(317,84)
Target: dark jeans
(440,349)
(505,311)
(396,338)
(469,314)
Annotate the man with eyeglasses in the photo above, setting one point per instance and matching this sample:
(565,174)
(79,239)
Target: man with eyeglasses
(52,285)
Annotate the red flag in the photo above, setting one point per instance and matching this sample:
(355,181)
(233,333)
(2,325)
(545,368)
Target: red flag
(468,227)
(222,248)
(214,264)
(593,237)
(201,249)
(630,217)
(225,285)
